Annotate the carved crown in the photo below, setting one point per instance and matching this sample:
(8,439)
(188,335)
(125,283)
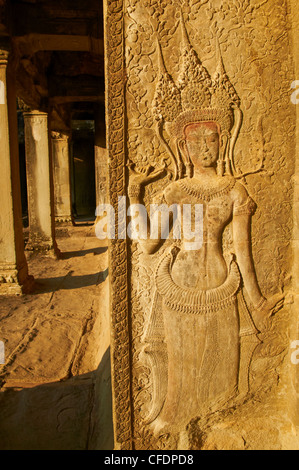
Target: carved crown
(197,97)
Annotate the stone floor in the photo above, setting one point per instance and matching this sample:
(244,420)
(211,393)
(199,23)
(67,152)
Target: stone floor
(55,385)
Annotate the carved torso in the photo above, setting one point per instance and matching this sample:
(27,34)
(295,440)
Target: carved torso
(204,268)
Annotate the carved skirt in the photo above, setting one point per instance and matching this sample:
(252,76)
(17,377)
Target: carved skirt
(200,331)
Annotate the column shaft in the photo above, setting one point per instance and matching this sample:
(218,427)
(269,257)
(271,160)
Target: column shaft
(101,159)
(62,178)
(39,184)
(101,174)
(14,277)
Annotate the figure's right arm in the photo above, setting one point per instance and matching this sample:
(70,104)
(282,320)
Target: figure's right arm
(137,207)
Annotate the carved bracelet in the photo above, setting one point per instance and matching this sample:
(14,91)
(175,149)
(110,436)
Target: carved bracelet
(134,190)
(261,304)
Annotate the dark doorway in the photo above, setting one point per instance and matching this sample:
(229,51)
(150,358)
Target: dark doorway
(83,163)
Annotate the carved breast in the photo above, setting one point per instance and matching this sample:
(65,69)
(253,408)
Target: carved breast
(203,268)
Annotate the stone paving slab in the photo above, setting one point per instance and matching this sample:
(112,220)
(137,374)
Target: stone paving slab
(49,334)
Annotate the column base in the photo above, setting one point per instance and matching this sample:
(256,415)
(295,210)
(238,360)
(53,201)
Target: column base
(64,220)
(13,283)
(45,248)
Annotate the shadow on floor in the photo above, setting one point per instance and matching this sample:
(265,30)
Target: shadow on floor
(77,254)
(75,414)
(69,282)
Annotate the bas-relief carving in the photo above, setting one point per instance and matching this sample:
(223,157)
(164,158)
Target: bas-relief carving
(167,392)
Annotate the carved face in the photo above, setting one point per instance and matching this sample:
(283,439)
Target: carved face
(202,143)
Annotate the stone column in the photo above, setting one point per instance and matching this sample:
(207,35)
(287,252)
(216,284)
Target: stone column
(101,159)
(14,277)
(101,174)
(62,178)
(39,184)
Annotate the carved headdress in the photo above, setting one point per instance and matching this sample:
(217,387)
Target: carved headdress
(197,98)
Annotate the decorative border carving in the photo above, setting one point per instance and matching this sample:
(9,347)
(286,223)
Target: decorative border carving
(119,302)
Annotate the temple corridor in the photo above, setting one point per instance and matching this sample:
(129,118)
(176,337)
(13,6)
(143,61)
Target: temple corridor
(57,354)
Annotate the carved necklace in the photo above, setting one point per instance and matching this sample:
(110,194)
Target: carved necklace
(203,192)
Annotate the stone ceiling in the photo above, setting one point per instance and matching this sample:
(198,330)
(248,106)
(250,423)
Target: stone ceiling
(58,54)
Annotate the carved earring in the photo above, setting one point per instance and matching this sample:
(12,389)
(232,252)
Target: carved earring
(220,167)
(189,169)
(221,162)
(226,142)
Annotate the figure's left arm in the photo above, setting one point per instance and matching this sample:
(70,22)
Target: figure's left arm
(244,208)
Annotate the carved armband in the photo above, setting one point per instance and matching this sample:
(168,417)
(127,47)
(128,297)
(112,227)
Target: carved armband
(134,190)
(261,304)
(248,208)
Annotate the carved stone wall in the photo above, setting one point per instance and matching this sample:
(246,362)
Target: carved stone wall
(255,39)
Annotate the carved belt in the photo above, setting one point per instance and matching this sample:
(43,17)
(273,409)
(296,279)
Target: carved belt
(195,301)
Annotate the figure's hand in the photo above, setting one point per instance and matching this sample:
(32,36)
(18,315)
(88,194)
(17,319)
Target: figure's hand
(139,179)
(262,315)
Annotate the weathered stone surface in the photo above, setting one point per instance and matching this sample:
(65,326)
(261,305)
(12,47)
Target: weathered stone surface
(39,183)
(209,329)
(101,159)
(14,278)
(62,177)
(199,111)
(56,380)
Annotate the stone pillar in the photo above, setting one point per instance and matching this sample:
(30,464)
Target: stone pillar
(101,159)
(39,184)
(14,277)
(62,178)
(101,167)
